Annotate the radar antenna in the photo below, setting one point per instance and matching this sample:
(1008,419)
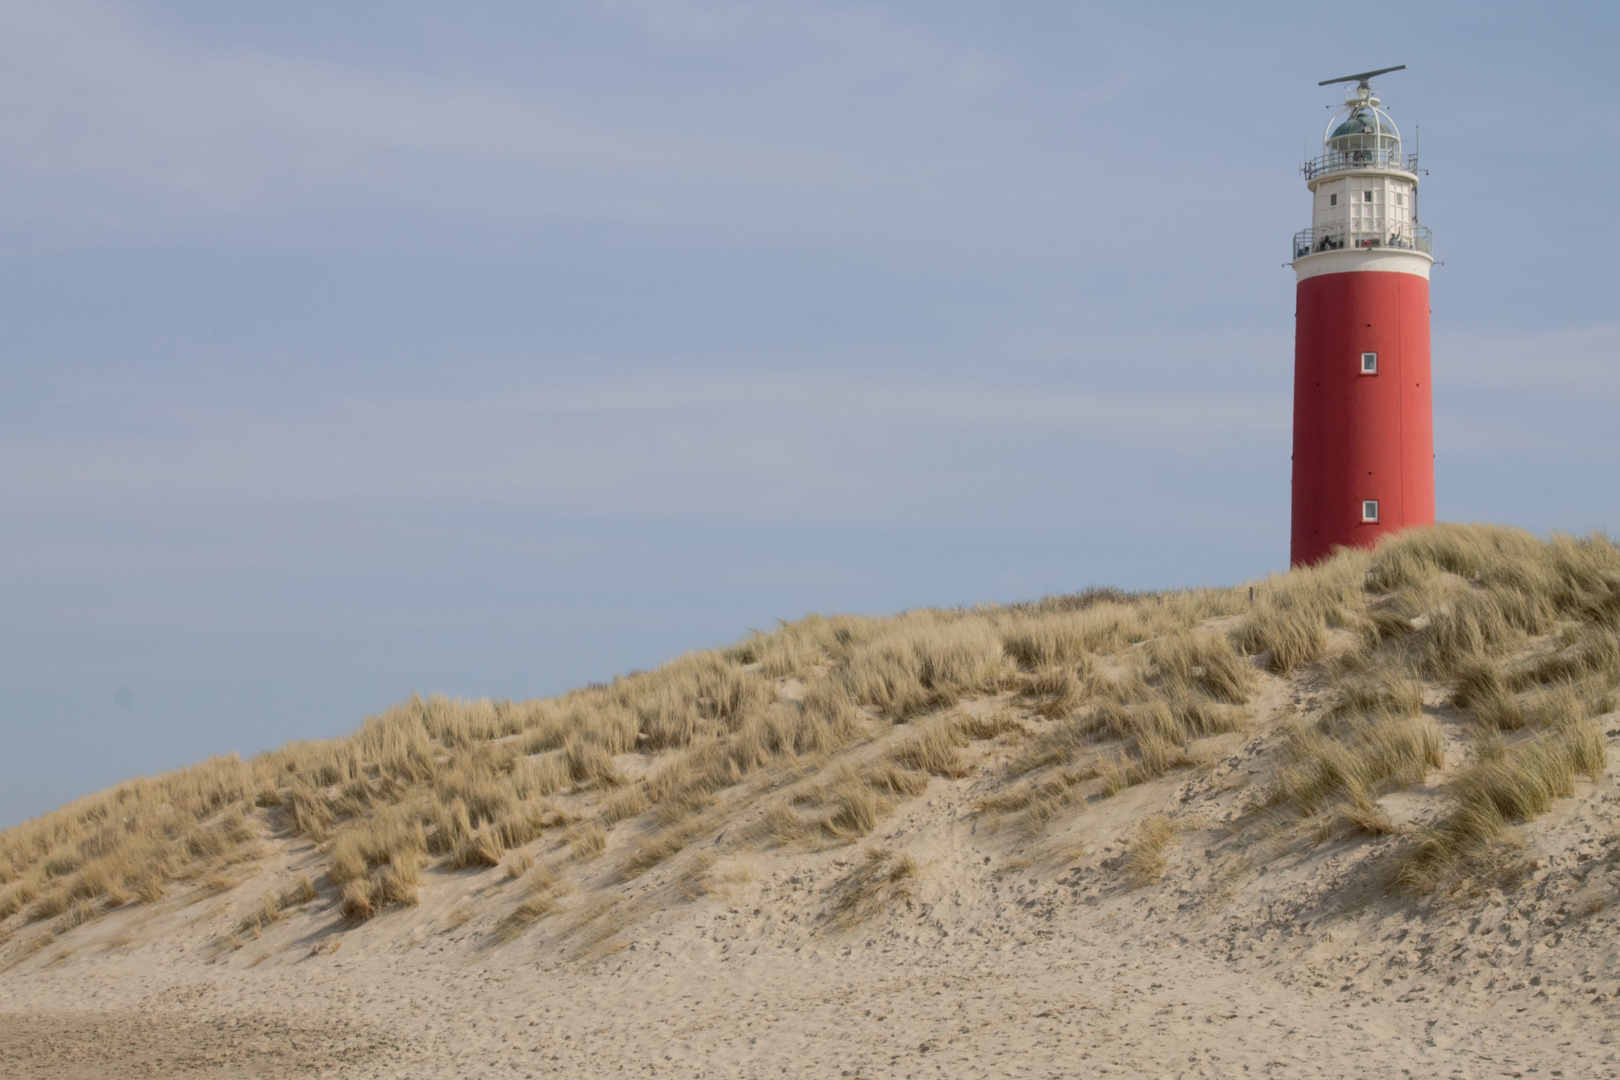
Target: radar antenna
(1363,77)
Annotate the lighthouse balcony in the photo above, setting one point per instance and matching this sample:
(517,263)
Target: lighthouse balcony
(1389,158)
(1362,235)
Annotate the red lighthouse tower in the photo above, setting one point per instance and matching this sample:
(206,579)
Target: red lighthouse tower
(1363,418)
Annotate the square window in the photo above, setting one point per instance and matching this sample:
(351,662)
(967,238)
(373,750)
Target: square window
(1333,200)
(1369,510)
(1366,196)
(1369,363)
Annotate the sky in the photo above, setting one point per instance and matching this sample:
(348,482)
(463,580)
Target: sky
(489,349)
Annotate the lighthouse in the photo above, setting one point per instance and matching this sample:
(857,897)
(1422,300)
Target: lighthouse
(1363,417)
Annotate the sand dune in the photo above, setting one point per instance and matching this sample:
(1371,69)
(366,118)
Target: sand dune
(1009,910)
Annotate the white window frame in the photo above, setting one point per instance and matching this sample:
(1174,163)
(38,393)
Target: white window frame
(1366,195)
(1369,363)
(1369,511)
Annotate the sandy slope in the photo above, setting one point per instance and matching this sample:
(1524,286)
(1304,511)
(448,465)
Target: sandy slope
(1011,957)
(1062,1005)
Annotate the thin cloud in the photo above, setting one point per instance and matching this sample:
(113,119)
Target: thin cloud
(1543,361)
(106,119)
(760,447)
(108,125)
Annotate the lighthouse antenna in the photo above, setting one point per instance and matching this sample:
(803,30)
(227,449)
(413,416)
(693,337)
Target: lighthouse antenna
(1363,77)
(1361,100)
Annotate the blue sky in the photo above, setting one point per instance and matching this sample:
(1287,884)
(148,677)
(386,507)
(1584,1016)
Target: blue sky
(493,348)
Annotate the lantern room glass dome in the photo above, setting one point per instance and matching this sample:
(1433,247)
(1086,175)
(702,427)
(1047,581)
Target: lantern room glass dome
(1366,128)
(1360,136)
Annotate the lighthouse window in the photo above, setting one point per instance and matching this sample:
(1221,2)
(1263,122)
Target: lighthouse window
(1333,200)
(1369,509)
(1366,196)
(1400,199)
(1369,363)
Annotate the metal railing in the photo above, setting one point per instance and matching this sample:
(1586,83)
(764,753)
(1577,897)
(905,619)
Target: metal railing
(1344,160)
(1362,236)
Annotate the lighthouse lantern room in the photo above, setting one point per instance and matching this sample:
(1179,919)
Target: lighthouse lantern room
(1363,419)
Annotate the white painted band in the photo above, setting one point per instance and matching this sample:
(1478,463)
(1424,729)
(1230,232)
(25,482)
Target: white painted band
(1337,174)
(1385,260)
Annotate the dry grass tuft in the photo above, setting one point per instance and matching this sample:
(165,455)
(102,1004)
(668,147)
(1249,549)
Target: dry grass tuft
(990,725)
(518,864)
(1148,854)
(1044,800)
(1507,783)
(80,913)
(214,884)
(15,899)
(1342,766)
(710,876)
(302,892)
(924,663)
(882,880)
(262,915)
(627,802)
(358,901)
(396,884)
(843,804)
(48,907)
(483,847)
(856,800)
(1291,613)
(1055,691)
(1287,639)
(648,851)
(525,915)
(1142,718)
(1391,692)
(1201,662)
(543,891)
(586,841)
(934,749)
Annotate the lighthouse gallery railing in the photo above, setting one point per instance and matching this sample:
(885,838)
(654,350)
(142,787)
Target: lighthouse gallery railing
(1362,236)
(1345,160)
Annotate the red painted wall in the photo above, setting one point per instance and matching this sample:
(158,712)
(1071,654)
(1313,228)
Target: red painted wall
(1360,436)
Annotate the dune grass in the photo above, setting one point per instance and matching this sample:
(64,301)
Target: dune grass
(1507,783)
(1092,693)
(1145,860)
(880,881)
(1520,632)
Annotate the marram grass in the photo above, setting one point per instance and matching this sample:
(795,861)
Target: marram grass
(1081,697)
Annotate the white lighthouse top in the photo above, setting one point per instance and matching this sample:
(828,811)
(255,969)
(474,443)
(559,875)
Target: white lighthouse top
(1364,213)
(1361,135)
